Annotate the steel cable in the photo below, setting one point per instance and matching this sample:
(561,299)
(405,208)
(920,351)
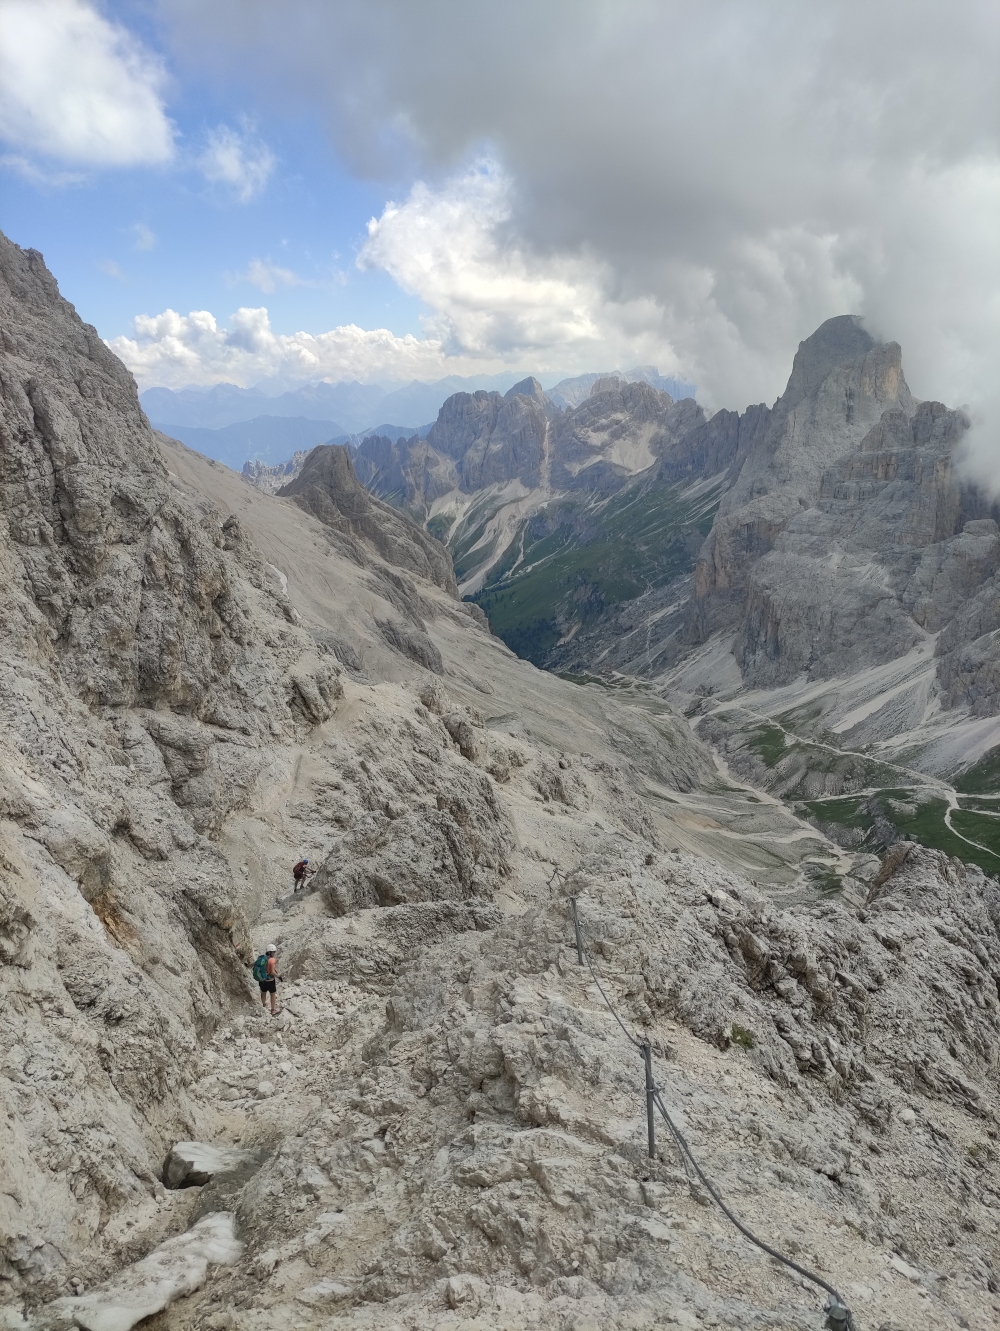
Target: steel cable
(747,1233)
(611,1007)
(688,1155)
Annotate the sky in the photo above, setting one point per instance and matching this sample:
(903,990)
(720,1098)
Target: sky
(264,193)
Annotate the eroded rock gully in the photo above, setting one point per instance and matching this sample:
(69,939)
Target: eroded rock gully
(443,1126)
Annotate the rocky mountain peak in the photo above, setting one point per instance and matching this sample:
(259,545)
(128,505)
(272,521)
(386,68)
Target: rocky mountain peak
(835,342)
(493,438)
(530,388)
(328,488)
(608,383)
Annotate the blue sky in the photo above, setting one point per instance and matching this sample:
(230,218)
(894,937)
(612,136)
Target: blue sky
(139,240)
(557,187)
(145,237)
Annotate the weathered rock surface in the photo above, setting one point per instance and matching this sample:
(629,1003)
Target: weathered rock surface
(327,488)
(833,1069)
(494,438)
(447,1120)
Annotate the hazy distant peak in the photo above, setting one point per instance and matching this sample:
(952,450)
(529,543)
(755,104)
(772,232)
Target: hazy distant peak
(571,392)
(529,387)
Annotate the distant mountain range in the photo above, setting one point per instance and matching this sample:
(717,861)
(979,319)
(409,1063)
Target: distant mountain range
(813,582)
(265,439)
(236,425)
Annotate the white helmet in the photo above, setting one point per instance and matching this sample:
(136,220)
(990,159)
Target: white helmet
(270,948)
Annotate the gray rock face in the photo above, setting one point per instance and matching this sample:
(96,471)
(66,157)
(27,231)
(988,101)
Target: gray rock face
(451,1122)
(327,488)
(710,447)
(146,669)
(845,586)
(619,430)
(832,1069)
(494,438)
(125,589)
(823,415)
(969,663)
(409,473)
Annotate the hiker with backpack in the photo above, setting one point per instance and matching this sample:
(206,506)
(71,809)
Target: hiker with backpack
(300,873)
(265,972)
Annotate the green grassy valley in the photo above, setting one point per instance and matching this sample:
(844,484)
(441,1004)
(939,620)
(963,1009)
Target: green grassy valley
(573,560)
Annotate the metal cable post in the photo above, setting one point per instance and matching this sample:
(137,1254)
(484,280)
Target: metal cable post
(647,1057)
(838,1314)
(576,930)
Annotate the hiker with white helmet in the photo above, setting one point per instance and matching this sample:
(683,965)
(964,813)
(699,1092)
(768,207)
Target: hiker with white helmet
(265,972)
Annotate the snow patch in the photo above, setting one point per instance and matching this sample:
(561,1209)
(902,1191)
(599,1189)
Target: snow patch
(176,1268)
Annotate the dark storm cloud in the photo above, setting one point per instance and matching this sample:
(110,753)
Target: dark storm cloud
(752,167)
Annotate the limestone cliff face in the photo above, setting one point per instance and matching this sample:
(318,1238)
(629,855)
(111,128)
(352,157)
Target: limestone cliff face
(492,437)
(408,473)
(715,445)
(873,563)
(621,429)
(115,582)
(147,667)
(840,385)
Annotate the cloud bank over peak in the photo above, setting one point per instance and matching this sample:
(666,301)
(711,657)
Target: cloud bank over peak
(491,306)
(488,295)
(727,175)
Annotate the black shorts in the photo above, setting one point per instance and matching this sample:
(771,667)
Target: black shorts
(268,986)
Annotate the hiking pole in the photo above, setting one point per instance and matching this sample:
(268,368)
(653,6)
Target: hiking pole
(647,1056)
(576,930)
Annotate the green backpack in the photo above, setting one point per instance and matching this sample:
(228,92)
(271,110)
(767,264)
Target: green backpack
(260,967)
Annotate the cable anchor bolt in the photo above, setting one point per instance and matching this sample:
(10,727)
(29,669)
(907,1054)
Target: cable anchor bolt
(838,1318)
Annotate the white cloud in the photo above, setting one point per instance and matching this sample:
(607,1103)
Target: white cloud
(490,306)
(76,87)
(491,303)
(491,297)
(266,276)
(718,177)
(238,160)
(37,175)
(979,451)
(111,269)
(175,350)
(143,237)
